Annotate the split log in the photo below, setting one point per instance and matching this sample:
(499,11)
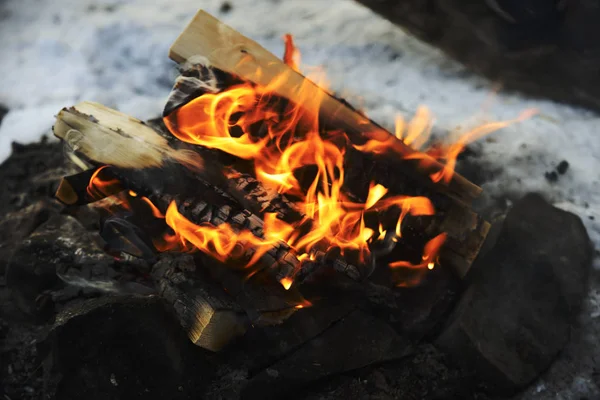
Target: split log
(210,316)
(200,202)
(229,57)
(232,53)
(73,189)
(90,124)
(90,129)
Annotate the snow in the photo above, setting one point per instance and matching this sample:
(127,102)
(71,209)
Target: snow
(55,54)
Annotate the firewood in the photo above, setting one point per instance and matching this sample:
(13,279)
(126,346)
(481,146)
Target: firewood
(211,317)
(216,56)
(228,51)
(73,189)
(94,125)
(105,138)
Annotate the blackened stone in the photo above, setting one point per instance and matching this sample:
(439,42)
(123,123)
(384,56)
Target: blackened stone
(273,343)
(60,245)
(524,294)
(31,174)
(124,347)
(562,167)
(18,225)
(359,340)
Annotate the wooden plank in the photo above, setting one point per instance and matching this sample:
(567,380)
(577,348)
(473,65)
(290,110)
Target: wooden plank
(231,52)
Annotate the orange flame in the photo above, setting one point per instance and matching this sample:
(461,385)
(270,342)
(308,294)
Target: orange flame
(291,154)
(100,186)
(429,259)
(292,55)
(291,140)
(417,133)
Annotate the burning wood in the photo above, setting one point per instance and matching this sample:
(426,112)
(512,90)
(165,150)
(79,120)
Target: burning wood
(236,72)
(267,173)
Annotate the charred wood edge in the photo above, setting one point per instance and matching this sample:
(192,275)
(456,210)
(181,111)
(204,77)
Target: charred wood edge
(467,231)
(230,53)
(72,190)
(242,186)
(233,53)
(210,316)
(89,129)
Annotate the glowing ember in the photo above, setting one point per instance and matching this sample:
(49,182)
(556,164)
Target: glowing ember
(286,283)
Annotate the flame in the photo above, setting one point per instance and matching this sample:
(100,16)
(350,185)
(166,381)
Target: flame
(101,186)
(155,211)
(290,152)
(286,283)
(417,134)
(290,141)
(292,55)
(223,242)
(429,259)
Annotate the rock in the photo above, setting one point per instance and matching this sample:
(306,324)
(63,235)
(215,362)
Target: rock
(60,245)
(539,47)
(523,296)
(359,340)
(32,172)
(123,347)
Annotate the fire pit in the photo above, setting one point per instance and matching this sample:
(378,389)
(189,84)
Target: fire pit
(293,239)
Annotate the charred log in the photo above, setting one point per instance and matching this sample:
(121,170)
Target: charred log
(212,74)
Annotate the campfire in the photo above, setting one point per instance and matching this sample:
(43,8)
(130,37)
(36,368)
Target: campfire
(265,239)
(271,178)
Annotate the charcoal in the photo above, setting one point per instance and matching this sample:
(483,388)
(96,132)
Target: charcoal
(551,176)
(428,374)
(562,167)
(524,295)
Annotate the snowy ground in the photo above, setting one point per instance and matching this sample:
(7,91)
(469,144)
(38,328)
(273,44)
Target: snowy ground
(56,53)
